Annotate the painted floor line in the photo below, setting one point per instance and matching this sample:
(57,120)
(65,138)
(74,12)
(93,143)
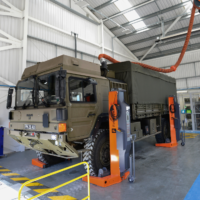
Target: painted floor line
(194,192)
(12,175)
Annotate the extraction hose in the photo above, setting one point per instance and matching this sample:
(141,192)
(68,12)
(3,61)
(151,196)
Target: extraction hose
(172,68)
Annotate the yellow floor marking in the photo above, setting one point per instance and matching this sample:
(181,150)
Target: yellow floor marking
(4,170)
(62,198)
(191,134)
(20,179)
(10,174)
(43,190)
(34,184)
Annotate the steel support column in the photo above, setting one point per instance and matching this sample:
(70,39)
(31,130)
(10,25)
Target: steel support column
(25,33)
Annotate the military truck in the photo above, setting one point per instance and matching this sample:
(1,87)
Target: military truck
(61,107)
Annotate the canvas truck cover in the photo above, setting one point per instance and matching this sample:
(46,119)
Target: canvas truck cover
(145,86)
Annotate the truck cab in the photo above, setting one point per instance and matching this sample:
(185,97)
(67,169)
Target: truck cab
(57,103)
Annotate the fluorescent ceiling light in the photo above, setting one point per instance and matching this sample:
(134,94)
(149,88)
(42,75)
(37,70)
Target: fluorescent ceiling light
(132,15)
(182,91)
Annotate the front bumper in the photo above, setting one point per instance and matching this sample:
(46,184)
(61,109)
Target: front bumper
(43,142)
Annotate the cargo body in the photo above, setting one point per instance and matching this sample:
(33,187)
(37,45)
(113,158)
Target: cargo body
(147,90)
(61,104)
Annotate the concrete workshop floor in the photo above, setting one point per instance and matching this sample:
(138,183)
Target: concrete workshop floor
(161,173)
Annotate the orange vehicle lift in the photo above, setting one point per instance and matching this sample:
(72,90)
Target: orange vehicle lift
(116,175)
(172,118)
(36,162)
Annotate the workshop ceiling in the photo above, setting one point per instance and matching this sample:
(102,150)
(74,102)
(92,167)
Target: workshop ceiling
(138,23)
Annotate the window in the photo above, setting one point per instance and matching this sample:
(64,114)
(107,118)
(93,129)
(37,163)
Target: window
(25,93)
(81,90)
(46,89)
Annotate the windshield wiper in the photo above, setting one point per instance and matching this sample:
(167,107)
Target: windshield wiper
(24,105)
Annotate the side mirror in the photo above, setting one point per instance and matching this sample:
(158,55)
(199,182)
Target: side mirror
(9,98)
(92,81)
(61,86)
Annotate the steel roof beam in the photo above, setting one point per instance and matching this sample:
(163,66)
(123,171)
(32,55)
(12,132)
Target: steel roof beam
(156,36)
(166,43)
(130,9)
(105,4)
(153,26)
(166,31)
(149,16)
(171,51)
(73,11)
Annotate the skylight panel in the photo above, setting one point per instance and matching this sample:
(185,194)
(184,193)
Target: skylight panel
(132,15)
(123,4)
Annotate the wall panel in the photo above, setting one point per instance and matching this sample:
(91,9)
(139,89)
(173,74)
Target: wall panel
(190,67)
(40,51)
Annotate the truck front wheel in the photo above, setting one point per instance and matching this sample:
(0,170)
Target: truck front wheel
(48,159)
(98,154)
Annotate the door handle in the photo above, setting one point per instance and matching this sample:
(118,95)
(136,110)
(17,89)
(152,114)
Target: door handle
(91,114)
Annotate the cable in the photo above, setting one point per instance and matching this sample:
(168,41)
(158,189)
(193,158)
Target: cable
(172,68)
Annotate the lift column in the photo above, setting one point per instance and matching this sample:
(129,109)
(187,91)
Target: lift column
(120,140)
(174,130)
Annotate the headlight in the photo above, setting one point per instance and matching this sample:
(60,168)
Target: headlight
(53,137)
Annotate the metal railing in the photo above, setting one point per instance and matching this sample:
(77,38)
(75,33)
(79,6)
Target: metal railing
(59,186)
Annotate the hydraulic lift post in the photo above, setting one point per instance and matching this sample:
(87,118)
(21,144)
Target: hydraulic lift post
(120,141)
(174,120)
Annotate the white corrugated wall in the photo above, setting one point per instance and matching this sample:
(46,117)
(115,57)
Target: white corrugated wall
(187,74)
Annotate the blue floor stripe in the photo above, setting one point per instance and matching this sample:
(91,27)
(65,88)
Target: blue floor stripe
(186,131)
(194,192)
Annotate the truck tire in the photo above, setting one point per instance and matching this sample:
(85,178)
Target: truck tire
(98,155)
(165,134)
(47,159)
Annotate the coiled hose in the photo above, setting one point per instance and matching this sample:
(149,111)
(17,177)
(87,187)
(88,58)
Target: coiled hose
(174,67)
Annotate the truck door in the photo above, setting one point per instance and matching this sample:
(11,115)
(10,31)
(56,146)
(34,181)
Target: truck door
(82,108)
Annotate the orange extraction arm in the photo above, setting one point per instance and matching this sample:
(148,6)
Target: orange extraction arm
(173,68)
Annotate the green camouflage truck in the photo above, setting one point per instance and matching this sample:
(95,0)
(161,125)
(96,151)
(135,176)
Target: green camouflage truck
(61,108)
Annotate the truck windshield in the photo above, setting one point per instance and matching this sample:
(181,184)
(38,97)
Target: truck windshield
(39,91)
(25,93)
(46,88)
